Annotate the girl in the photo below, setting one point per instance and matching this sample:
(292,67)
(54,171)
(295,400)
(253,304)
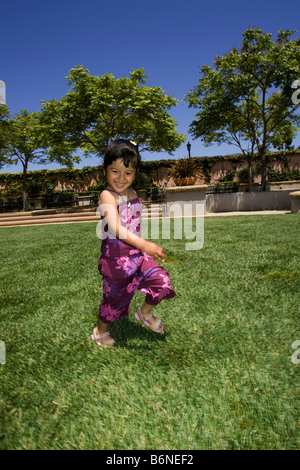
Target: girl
(126,261)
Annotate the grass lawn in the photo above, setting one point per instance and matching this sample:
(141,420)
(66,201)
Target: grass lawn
(221,378)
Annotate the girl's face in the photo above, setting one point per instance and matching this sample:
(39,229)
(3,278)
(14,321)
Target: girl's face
(119,177)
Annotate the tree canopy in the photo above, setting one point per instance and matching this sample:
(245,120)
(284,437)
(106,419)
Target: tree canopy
(22,139)
(245,99)
(99,108)
(94,111)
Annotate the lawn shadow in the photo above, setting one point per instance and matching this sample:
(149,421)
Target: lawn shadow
(125,330)
(159,350)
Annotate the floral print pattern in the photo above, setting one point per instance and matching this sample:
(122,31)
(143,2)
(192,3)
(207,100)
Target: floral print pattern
(126,269)
(130,217)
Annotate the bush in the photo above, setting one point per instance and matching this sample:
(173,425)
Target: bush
(243,174)
(283,175)
(142,181)
(184,168)
(34,188)
(229,176)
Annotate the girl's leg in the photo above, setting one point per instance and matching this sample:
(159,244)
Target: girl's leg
(155,282)
(102,327)
(146,311)
(101,335)
(146,316)
(114,306)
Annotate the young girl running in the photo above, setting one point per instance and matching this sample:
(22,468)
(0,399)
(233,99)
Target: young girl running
(126,261)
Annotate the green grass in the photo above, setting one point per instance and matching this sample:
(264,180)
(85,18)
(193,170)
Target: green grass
(221,378)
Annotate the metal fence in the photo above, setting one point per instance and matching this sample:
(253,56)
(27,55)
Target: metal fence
(46,202)
(222,188)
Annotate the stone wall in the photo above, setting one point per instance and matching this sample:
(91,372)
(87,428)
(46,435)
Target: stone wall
(254,201)
(218,168)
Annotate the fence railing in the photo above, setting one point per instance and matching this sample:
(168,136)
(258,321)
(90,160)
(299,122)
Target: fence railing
(222,188)
(48,202)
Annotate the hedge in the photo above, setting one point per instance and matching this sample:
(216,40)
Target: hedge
(47,179)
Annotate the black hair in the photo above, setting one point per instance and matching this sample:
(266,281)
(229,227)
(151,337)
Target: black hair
(124,149)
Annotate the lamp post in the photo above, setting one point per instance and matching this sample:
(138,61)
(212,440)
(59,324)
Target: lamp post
(188,145)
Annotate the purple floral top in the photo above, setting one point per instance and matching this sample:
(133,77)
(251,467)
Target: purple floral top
(130,213)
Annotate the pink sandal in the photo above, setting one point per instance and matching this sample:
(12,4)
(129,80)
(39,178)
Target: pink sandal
(100,339)
(156,326)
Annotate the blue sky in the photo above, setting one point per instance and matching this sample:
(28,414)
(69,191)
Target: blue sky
(41,41)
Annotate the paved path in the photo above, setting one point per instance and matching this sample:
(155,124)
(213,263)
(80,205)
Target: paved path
(214,214)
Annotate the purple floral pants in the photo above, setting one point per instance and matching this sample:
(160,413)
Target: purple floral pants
(123,276)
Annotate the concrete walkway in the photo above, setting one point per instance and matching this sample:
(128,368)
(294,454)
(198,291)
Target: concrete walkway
(214,214)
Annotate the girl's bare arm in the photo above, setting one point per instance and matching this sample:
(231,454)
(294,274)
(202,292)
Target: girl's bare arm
(109,211)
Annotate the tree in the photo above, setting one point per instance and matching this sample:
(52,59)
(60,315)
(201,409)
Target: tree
(99,108)
(246,99)
(4,113)
(22,139)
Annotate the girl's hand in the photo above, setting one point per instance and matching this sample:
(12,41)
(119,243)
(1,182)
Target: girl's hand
(154,250)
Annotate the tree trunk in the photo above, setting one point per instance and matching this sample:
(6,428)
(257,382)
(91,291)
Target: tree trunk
(250,173)
(25,203)
(263,170)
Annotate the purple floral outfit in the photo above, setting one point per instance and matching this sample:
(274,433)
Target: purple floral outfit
(126,269)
